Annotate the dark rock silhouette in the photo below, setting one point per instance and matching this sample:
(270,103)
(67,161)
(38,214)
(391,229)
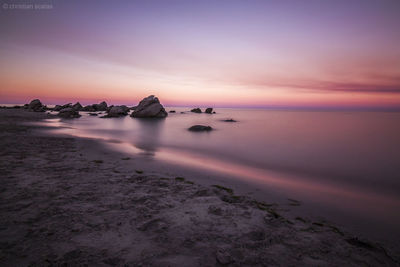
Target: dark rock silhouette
(209,110)
(229,120)
(149,107)
(59,107)
(196,110)
(77,106)
(89,108)
(96,107)
(36,105)
(69,113)
(117,111)
(101,107)
(172,111)
(200,128)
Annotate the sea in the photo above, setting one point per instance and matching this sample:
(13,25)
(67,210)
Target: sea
(342,165)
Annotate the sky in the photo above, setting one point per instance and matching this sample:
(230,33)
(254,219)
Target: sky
(236,53)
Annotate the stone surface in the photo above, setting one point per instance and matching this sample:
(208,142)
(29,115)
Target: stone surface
(200,128)
(149,107)
(68,113)
(117,111)
(209,110)
(77,106)
(196,110)
(36,106)
(101,107)
(96,107)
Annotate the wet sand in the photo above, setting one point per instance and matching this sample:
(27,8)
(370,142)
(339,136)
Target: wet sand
(70,201)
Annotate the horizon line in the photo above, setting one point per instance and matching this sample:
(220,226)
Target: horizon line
(263,107)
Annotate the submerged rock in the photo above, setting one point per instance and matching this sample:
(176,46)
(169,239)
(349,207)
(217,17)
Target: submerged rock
(149,107)
(209,110)
(229,120)
(172,111)
(69,113)
(36,106)
(200,128)
(196,110)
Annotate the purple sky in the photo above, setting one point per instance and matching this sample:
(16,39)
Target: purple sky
(222,52)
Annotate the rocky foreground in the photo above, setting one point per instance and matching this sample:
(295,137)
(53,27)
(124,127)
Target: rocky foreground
(60,204)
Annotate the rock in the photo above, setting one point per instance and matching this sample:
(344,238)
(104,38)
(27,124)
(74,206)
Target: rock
(96,107)
(149,107)
(209,110)
(89,108)
(196,110)
(36,106)
(77,106)
(69,113)
(172,111)
(92,114)
(117,111)
(58,107)
(223,257)
(109,108)
(100,107)
(200,128)
(229,120)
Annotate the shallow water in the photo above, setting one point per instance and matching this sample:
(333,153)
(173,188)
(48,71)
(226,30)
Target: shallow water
(341,161)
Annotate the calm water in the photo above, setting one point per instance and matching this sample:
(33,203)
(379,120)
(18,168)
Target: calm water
(344,161)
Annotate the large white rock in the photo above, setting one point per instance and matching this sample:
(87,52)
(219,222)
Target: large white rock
(149,107)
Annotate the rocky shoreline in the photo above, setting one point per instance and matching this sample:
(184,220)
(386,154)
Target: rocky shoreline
(63,204)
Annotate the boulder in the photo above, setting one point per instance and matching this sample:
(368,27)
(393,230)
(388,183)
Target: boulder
(196,110)
(172,111)
(77,106)
(117,111)
(89,108)
(36,106)
(58,107)
(69,113)
(95,107)
(209,110)
(149,107)
(200,128)
(100,107)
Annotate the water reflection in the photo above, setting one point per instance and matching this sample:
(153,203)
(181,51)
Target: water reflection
(148,135)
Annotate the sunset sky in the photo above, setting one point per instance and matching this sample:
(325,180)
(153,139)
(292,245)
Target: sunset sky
(209,52)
